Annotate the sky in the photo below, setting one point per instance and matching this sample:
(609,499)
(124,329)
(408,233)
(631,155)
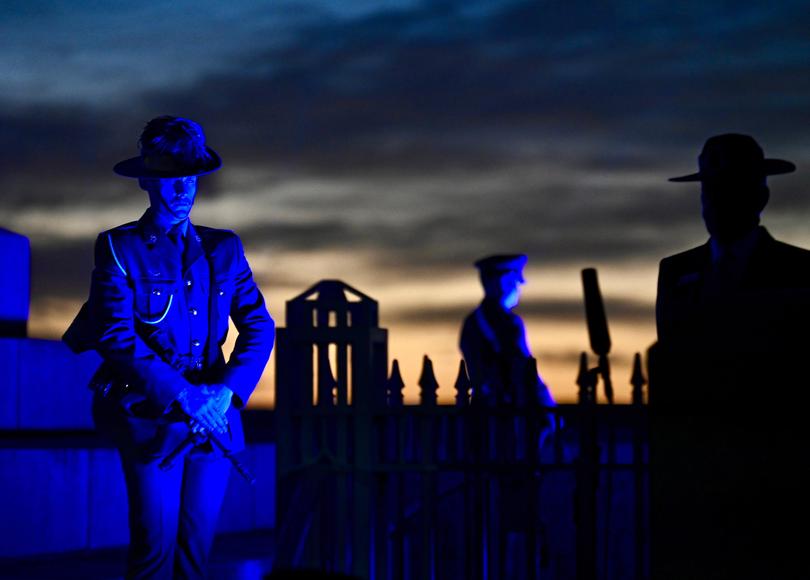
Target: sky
(390,144)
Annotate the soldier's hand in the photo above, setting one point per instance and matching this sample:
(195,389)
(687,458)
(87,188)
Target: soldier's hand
(221,394)
(203,410)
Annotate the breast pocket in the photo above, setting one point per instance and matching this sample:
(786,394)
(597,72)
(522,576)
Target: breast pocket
(153,299)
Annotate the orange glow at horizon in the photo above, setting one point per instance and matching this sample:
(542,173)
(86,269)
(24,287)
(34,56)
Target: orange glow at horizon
(556,342)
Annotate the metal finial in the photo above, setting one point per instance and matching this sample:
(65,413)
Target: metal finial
(463,385)
(394,386)
(638,380)
(428,383)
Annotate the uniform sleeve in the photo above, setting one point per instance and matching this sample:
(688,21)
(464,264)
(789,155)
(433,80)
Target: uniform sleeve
(256,329)
(470,346)
(521,344)
(111,310)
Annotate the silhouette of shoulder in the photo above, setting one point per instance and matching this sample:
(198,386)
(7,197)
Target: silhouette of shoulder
(122,231)
(772,263)
(692,258)
(791,253)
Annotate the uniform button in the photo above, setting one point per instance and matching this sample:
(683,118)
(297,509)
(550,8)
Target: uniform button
(192,311)
(195,343)
(221,292)
(156,291)
(188,282)
(198,365)
(153,238)
(198,238)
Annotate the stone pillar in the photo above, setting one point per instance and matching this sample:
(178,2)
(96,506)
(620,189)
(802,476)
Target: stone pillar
(15,284)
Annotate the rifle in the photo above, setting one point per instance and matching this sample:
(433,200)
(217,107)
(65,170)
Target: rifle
(198,438)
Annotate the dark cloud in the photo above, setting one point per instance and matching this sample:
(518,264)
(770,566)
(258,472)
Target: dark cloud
(574,113)
(427,87)
(61,270)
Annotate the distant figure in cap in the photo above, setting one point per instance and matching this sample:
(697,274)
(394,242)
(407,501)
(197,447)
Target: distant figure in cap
(498,358)
(733,317)
(493,338)
(161,294)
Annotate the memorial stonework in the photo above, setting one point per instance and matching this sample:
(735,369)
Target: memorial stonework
(15,284)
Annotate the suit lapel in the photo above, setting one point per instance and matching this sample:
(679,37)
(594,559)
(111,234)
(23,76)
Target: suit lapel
(691,280)
(758,271)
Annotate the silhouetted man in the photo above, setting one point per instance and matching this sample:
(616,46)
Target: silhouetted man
(737,292)
(161,293)
(733,317)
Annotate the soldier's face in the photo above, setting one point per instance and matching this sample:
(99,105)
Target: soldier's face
(172,198)
(505,289)
(511,284)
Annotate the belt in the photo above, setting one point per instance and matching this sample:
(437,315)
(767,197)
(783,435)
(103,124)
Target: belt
(110,384)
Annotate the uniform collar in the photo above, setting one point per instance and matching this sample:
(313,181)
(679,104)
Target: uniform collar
(156,237)
(150,227)
(491,305)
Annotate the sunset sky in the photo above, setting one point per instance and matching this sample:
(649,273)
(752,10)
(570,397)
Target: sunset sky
(392,143)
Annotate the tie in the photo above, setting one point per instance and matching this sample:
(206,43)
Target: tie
(728,270)
(176,236)
(724,277)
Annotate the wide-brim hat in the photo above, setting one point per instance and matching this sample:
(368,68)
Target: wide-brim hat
(735,156)
(500,264)
(171,147)
(166,166)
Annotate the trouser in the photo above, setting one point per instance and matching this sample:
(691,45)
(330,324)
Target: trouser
(173,513)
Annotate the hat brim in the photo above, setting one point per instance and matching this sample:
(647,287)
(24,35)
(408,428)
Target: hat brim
(135,167)
(768,167)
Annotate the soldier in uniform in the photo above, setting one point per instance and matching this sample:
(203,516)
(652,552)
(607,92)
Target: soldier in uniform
(161,293)
(493,338)
(493,342)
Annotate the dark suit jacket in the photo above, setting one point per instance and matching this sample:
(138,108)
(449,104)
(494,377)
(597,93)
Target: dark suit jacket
(746,338)
(728,390)
(158,319)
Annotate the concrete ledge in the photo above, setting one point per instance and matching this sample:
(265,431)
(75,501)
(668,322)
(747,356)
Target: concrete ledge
(57,500)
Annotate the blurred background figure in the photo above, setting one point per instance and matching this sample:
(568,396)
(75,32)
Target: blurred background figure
(503,373)
(493,338)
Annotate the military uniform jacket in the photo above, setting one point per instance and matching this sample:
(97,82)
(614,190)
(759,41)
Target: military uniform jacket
(159,317)
(493,342)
